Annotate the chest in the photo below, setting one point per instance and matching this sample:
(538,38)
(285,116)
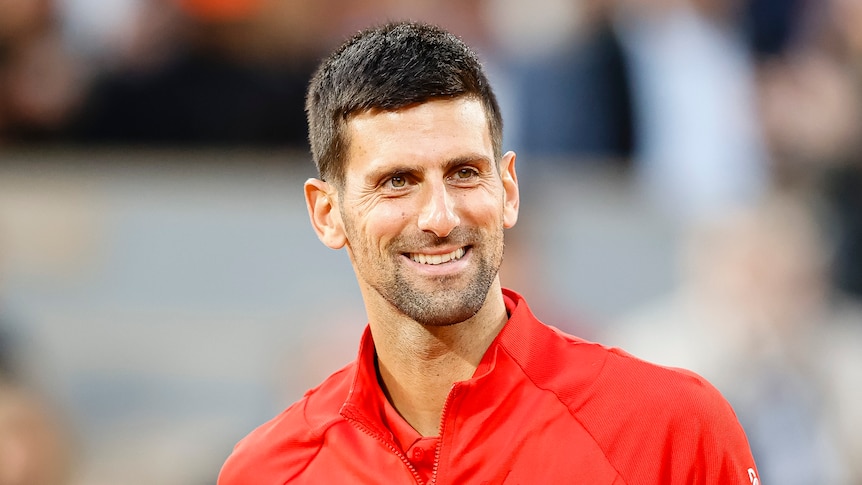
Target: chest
(517,438)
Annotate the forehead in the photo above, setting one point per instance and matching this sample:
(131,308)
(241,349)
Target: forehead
(433,131)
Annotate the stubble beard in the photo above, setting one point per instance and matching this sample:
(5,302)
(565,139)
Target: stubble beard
(446,305)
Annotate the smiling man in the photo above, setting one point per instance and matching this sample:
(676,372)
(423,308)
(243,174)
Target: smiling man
(456,382)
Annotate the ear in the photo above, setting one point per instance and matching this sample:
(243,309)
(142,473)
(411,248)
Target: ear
(512,198)
(321,199)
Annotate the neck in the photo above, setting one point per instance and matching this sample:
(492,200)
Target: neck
(419,364)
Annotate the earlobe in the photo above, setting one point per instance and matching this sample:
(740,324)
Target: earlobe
(321,200)
(511,201)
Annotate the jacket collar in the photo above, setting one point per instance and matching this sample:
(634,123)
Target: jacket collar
(365,403)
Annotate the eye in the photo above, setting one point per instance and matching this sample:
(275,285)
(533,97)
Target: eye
(398,181)
(465,174)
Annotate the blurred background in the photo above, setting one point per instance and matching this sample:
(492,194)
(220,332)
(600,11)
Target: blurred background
(691,176)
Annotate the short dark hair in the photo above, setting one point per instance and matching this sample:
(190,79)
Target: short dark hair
(390,67)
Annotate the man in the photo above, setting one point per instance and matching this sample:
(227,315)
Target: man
(456,381)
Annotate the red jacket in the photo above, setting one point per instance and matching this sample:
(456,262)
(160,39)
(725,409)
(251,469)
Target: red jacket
(542,408)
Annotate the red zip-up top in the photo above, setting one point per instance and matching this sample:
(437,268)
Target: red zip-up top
(543,407)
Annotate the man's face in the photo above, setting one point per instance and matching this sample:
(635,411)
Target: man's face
(424,206)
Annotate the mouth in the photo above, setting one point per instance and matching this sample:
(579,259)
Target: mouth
(435,259)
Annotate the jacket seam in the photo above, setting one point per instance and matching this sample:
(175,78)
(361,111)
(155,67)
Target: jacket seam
(569,408)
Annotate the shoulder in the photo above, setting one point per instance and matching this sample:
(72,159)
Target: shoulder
(655,424)
(610,380)
(282,447)
(672,393)
(586,373)
(670,420)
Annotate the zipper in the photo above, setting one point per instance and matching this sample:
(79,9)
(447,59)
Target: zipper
(449,398)
(393,449)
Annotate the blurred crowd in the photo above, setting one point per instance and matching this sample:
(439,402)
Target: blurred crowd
(36,443)
(709,103)
(740,120)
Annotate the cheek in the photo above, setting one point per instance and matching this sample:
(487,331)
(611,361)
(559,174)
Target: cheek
(383,223)
(481,210)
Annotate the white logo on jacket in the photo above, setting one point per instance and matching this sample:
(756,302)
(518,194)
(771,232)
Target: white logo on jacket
(752,477)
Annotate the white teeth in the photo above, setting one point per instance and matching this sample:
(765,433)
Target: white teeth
(437,258)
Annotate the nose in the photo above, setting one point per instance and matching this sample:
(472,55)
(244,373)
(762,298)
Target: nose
(438,212)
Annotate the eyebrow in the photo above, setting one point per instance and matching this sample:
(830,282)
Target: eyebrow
(466,159)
